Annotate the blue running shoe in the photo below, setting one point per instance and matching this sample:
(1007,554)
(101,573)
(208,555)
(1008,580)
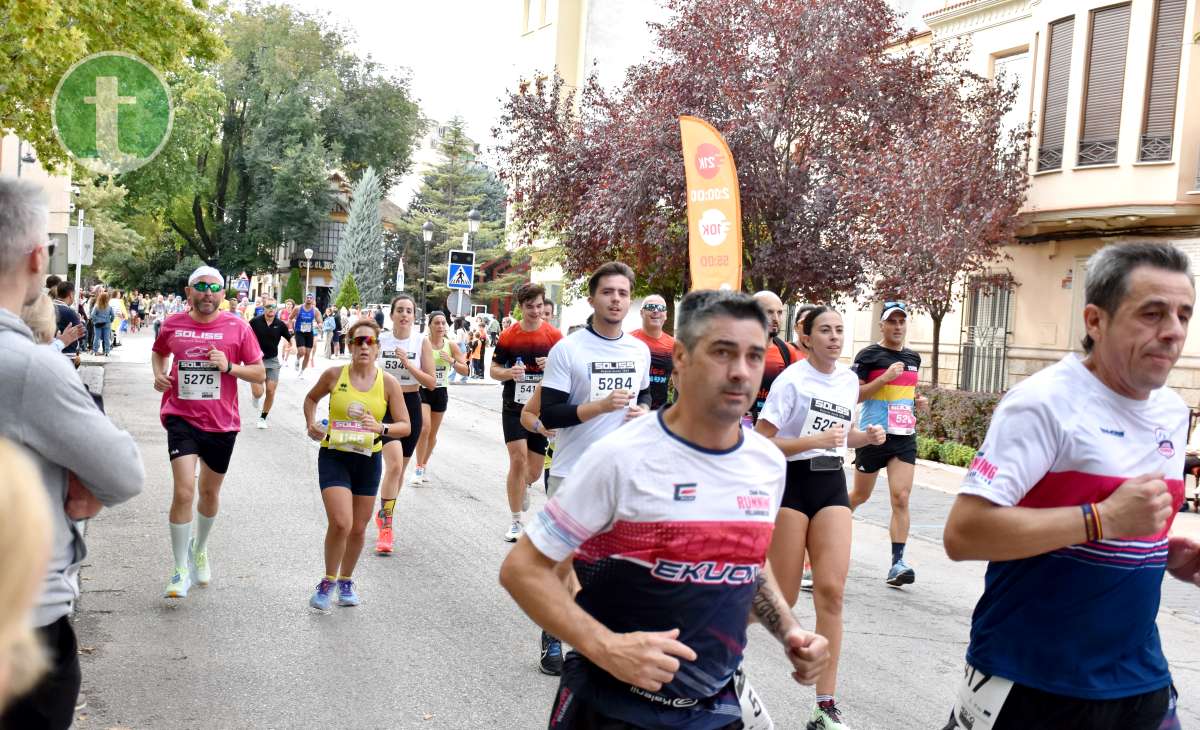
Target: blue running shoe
(322,598)
(901,574)
(552,658)
(346,594)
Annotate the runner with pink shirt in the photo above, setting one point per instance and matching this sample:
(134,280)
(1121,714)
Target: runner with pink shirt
(209,352)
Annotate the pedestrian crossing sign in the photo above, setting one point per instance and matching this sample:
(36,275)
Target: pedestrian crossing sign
(460,272)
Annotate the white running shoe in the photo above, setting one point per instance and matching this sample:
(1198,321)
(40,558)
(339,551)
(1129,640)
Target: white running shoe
(418,476)
(179,585)
(514,532)
(262,423)
(806,581)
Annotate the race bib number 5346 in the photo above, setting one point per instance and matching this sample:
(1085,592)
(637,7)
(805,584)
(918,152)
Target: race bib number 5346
(609,376)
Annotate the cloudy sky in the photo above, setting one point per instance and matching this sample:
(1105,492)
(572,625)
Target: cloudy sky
(459,51)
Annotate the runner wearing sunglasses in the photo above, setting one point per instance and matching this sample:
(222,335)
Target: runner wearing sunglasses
(350,462)
(661,344)
(209,352)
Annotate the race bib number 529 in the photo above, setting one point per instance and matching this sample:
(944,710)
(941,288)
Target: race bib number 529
(609,376)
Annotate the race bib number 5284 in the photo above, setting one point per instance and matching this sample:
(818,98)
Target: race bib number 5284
(609,376)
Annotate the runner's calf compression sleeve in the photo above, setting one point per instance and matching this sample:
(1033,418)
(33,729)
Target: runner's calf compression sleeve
(557,412)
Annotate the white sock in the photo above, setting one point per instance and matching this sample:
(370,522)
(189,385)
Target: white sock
(180,536)
(516,516)
(204,526)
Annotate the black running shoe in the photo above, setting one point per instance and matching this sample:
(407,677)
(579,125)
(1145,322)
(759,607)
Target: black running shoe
(552,658)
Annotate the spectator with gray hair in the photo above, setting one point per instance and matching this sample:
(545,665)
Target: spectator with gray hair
(64,432)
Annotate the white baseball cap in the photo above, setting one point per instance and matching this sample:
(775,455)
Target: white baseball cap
(890,307)
(204,271)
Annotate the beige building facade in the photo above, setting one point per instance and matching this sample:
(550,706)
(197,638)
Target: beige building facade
(18,158)
(1111,92)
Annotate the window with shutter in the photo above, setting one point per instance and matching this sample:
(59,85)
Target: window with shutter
(1054,108)
(1165,51)
(1105,86)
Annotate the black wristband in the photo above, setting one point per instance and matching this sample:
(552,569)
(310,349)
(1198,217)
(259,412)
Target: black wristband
(228,366)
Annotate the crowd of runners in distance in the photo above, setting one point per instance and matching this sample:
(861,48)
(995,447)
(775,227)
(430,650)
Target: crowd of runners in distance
(696,483)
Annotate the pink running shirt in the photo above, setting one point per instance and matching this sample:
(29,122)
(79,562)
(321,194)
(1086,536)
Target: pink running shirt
(204,397)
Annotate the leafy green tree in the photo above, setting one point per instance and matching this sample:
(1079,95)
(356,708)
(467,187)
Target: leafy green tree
(291,289)
(292,103)
(41,39)
(348,295)
(361,249)
(448,192)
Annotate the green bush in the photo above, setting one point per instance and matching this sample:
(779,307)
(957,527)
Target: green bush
(957,415)
(955,454)
(927,448)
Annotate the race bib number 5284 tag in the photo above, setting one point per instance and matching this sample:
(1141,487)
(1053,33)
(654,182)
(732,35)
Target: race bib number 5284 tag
(980,698)
(199,380)
(609,376)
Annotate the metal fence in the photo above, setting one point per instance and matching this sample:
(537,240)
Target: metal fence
(983,364)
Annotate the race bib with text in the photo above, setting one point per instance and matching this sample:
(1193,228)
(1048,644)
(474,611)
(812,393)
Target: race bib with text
(612,375)
(198,380)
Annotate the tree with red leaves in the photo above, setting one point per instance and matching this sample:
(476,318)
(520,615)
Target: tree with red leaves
(956,182)
(810,97)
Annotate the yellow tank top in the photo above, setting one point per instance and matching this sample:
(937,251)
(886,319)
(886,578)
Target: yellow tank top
(443,360)
(348,404)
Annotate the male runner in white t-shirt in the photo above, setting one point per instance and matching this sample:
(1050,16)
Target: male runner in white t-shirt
(1071,500)
(669,518)
(595,380)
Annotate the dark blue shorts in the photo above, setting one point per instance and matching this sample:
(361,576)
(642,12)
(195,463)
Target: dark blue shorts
(360,474)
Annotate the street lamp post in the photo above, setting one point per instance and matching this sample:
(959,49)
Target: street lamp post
(23,156)
(473,221)
(427,235)
(308,252)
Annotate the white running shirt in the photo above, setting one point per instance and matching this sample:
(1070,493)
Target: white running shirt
(804,401)
(588,367)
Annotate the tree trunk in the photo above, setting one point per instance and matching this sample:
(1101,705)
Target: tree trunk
(937,345)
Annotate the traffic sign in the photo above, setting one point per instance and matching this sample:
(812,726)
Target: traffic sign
(460,271)
(73,247)
(459,303)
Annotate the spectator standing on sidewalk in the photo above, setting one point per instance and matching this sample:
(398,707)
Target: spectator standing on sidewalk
(66,435)
(102,316)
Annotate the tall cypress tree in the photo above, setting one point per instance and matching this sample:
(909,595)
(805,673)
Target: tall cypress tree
(361,250)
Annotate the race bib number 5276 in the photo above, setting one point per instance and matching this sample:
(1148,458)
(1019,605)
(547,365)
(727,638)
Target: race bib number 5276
(199,380)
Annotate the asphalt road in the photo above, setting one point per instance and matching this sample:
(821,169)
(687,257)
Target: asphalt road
(437,643)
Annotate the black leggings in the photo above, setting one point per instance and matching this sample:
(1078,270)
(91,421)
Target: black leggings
(412,402)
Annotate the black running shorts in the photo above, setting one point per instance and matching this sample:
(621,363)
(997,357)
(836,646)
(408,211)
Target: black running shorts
(811,491)
(1026,708)
(357,472)
(870,459)
(214,448)
(304,339)
(437,399)
(514,431)
(412,403)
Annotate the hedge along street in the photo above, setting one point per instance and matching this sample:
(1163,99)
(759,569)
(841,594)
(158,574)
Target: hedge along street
(112,112)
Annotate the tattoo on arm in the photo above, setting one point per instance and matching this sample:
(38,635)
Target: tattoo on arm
(770,609)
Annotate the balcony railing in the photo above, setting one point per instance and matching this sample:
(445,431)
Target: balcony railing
(1097,152)
(1049,158)
(1155,148)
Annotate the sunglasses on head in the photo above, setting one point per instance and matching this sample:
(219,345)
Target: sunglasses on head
(368,340)
(204,286)
(895,305)
(654,307)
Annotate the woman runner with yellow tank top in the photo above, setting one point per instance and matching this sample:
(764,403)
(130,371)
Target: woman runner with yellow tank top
(350,462)
(446,356)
